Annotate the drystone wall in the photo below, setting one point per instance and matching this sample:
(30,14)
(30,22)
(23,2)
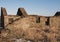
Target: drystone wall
(30,28)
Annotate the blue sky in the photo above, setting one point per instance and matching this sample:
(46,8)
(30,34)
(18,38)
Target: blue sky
(36,7)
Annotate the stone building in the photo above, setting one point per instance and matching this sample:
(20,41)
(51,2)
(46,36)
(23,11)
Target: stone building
(31,28)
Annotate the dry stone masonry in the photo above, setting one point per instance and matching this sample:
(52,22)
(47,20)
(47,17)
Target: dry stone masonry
(29,28)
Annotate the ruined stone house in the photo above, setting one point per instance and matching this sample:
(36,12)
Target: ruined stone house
(30,27)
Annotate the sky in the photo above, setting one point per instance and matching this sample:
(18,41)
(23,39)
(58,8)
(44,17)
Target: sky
(32,7)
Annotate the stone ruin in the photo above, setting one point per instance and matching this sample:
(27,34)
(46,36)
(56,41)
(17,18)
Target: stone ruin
(29,28)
